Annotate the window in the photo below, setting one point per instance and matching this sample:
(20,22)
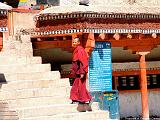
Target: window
(132,82)
(153,81)
(128,83)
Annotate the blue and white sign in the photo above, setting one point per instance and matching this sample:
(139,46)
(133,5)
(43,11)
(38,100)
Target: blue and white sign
(100,67)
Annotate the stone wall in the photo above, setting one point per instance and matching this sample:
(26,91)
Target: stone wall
(130,104)
(23,21)
(19,46)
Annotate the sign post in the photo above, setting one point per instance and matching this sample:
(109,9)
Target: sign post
(100,79)
(100,67)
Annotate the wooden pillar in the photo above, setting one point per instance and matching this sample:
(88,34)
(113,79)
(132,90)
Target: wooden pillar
(10,23)
(89,42)
(143,83)
(115,81)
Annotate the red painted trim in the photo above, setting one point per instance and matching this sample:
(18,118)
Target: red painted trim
(134,72)
(1,41)
(25,10)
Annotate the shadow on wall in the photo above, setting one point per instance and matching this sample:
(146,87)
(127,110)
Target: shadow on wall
(13,3)
(2,78)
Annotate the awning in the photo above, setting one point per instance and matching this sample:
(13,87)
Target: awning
(127,9)
(4,6)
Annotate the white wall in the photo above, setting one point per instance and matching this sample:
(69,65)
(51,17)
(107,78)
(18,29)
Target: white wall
(23,21)
(106,2)
(69,2)
(130,103)
(118,2)
(29,2)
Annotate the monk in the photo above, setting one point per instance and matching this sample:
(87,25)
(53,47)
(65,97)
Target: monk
(79,92)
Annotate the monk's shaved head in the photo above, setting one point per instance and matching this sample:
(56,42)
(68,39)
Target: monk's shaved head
(75,42)
(77,39)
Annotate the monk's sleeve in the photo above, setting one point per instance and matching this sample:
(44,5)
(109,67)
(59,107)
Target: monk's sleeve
(83,58)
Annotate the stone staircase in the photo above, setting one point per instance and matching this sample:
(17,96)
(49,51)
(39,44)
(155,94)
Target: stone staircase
(31,91)
(6,113)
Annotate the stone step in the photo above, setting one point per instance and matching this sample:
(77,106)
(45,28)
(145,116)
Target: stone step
(8,113)
(9,117)
(34,92)
(25,84)
(39,101)
(17,52)
(4,109)
(50,110)
(3,105)
(96,115)
(63,82)
(21,68)
(5,60)
(41,75)
(30,84)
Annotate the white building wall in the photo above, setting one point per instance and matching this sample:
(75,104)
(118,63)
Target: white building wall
(23,21)
(69,2)
(29,2)
(106,2)
(121,2)
(130,103)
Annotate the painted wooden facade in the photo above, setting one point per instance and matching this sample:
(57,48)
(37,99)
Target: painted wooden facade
(3,21)
(3,25)
(133,30)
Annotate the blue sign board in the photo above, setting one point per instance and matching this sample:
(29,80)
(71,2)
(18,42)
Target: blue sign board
(100,67)
(108,101)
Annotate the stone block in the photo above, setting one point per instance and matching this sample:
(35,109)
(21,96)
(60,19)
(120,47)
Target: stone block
(21,68)
(49,110)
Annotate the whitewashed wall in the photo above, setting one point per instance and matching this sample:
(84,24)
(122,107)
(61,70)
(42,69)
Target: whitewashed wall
(23,21)
(69,2)
(29,2)
(118,2)
(106,2)
(130,103)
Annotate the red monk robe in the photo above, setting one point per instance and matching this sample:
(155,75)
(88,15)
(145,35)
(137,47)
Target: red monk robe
(79,67)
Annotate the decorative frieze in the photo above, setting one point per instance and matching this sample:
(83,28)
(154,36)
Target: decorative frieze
(96,15)
(90,30)
(3,12)
(3,29)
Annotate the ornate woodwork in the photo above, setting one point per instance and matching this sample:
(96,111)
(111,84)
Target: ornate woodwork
(137,32)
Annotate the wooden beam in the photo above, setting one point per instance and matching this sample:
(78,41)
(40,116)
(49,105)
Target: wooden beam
(89,42)
(52,44)
(53,35)
(133,42)
(133,72)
